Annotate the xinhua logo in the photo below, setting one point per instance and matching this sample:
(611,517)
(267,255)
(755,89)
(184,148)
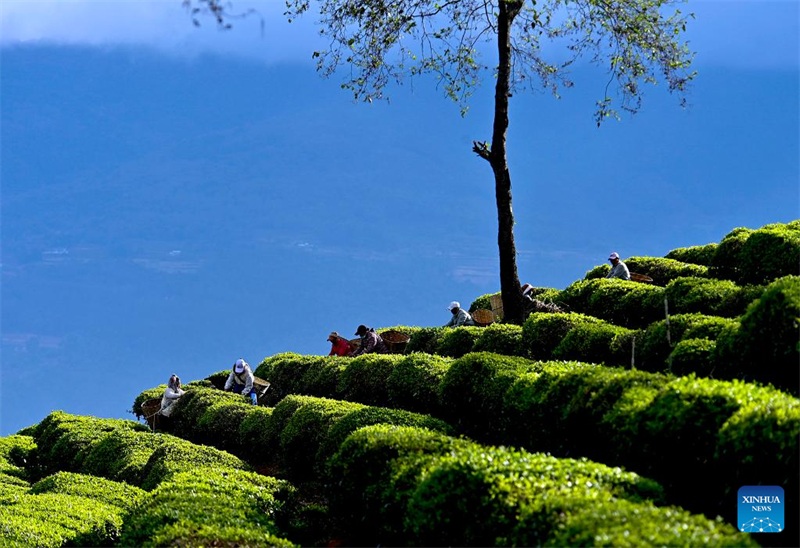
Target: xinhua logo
(760,509)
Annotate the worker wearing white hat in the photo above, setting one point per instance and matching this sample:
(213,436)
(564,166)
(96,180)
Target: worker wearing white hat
(460,316)
(241,380)
(618,268)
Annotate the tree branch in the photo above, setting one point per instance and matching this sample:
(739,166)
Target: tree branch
(482,150)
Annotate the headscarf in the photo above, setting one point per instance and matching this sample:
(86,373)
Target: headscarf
(174,382)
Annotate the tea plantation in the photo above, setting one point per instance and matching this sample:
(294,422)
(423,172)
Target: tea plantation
(630,418)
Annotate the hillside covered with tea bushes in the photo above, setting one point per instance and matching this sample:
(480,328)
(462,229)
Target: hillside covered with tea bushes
(630,418)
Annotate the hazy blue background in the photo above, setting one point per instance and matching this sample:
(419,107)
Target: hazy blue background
(175,198)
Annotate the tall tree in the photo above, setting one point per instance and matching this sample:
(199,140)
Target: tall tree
(383,41)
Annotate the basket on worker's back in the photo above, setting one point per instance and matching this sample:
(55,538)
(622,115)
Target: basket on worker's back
(395,341)
(641,278)
(483,317)
(150,409)
(497,305)
(261,387)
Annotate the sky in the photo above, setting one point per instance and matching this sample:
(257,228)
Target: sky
(173,198)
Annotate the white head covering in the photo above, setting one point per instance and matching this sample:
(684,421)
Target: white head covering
(454,304)
(238,367)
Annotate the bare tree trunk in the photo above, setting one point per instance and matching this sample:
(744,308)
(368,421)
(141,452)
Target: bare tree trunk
(509,279)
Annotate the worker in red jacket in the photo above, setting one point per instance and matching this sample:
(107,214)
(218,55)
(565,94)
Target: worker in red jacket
(339,345)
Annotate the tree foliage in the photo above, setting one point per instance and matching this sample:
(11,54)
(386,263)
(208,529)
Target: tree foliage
(384,41)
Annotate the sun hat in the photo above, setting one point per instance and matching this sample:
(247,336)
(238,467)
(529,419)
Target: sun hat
(361,329)
(454,304)
(333,335)
(238,367)
(614,255)
(526,288)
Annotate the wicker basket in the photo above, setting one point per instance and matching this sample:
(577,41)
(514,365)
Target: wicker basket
(635,277)
(150,409)
(395,341)
(261,386)
(483,317)
(497,306)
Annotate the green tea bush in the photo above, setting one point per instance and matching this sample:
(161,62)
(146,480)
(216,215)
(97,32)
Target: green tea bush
(664,270)
(658,426)
(364,378)
(500,339)
(672,437)
(497,484)
(55,519)
(653,347)
(661,270)
(601,342)
(253,433)
(219,425)
(270,435)
(119,494)
(373,475)
(768,254)
(63,440)
(568,402)
(630,304)
(192,406)
(425,340)
(210,506)
(542,332)
(599,271)
(576,295)
(322,376)
(765,347)
(726,263)
(178,455)
(472,391)
(122,456)
(696,254)
(12,488)
(692,356)
(758,445)
(641,305)
(607,301)
(285,372)
(457,341)
(414,382)
(604,522)
(398,485)
(707,296)
(304,434)
(370,416)
(16,454)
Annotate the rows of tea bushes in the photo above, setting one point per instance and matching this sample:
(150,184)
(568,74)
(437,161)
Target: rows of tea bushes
(758,256)
(399,478)
(745,256)
(759,344)
(84,481)
(407,486)
(700,438)
(281,434)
